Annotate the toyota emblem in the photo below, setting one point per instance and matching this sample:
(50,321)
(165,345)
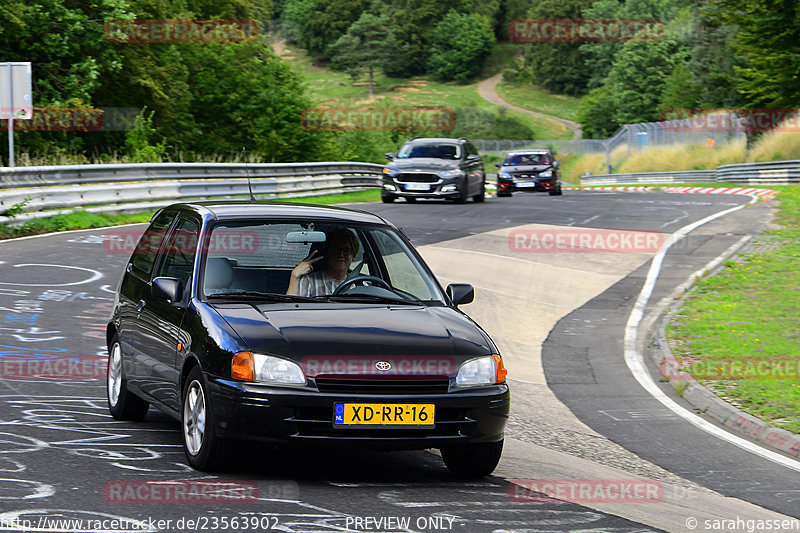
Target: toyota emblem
(383,366)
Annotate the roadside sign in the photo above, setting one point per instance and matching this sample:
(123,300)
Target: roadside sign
(15,90)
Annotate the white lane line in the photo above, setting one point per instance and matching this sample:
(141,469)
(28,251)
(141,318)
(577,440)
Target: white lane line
(636,365)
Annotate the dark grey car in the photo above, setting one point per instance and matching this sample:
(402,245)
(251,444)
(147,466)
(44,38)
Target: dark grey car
(426,167)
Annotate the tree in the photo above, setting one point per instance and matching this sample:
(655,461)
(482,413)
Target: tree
(316,24)
(638,76)
(597,113)
(767,33)
(368,44)
(461,44)
(558,66)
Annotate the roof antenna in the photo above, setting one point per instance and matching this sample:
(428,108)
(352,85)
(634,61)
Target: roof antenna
(247,170)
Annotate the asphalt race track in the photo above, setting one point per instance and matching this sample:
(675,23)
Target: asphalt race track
(63,456)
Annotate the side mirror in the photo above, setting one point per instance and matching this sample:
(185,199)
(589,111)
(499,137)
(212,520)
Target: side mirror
(460,293)
(389,156)
(498,165)
(167,289)
(556,164)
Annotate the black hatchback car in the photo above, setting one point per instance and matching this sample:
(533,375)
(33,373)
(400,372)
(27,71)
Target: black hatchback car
(206,328)
(427,167)
(529,171)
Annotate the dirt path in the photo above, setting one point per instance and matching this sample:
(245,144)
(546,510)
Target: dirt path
(487,90)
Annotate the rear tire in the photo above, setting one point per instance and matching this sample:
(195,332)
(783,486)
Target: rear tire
(122,404)
(473,460)
(203,448)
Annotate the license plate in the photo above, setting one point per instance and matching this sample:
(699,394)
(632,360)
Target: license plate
(417,187)
(383,414)
(525,184)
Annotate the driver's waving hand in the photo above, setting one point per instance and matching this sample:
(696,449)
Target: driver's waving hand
(341,246)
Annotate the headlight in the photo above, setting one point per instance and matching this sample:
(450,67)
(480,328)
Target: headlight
(449,173)
(546,174)
(504,174)
(248,366)
(486,370)
(389,171)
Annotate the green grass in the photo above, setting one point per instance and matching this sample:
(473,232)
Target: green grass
(337,89)
(75,220)
(84,220)
(537,99)
(751,311)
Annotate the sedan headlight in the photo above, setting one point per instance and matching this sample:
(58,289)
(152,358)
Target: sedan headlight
(389,171)
(504,174)
(546,174)
(450,173)
(260,368)
(486,370)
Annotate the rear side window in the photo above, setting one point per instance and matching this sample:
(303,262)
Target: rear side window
(144,256)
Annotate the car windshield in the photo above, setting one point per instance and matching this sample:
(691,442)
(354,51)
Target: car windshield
(527,159)
(432,150)
(357,262)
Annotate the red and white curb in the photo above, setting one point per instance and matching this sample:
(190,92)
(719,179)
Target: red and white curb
(765,194)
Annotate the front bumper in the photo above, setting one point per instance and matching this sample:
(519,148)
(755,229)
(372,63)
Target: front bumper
(444,188)
(245,411)
(533,185)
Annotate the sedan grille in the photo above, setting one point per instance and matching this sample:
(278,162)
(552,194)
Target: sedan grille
(418,178)
(383,386)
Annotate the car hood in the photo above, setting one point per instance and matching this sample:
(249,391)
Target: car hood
(527,168)
(348,339)
(425,163)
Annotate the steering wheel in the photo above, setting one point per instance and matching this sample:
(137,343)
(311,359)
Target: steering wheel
(361,279)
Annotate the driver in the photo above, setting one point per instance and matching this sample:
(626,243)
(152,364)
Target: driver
(341,246)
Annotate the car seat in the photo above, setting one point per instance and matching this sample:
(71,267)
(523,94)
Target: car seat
(219,275)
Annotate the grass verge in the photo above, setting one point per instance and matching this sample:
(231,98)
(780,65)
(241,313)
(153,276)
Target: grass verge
(750,313)
(535,98)
(79,219)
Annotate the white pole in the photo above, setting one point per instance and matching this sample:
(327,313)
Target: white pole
(10,118)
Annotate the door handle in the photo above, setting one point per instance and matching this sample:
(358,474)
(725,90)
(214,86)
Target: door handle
(141,305)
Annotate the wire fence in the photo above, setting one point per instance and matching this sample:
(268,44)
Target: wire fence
(633,137)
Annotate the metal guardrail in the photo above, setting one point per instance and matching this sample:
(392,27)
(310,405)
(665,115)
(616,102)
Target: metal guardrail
(769,173)
(85,174)
(47,191)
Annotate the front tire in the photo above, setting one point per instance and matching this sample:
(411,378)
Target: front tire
(203,449)
(122,404)
(481,196)
(473,460)
(387,198)
(463,193)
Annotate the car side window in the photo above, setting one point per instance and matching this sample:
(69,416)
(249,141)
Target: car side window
(144,256)
(177,260)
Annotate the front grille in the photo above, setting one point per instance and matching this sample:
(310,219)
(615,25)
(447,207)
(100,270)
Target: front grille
(418,178)
(383,386)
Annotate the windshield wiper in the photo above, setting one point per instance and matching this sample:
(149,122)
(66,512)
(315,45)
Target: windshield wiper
(373,298)
(271,296)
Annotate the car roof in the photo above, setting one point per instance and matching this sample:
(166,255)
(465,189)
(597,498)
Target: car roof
(423,140)
(533,151)
(244,210)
